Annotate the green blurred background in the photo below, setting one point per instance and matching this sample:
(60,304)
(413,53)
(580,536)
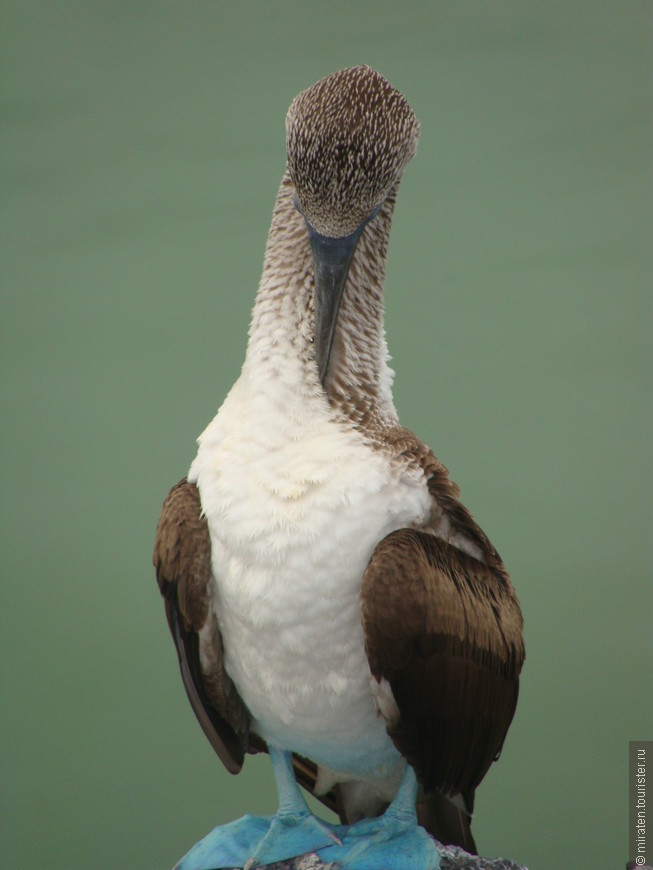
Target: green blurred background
(142,147)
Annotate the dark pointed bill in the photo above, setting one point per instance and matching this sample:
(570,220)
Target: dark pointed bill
(331,259)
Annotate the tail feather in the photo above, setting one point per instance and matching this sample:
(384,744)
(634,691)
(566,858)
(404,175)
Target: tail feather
(448,819)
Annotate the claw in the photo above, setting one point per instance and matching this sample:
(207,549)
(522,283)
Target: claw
(290,835)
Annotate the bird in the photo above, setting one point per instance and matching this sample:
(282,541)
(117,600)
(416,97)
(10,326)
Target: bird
(331,599)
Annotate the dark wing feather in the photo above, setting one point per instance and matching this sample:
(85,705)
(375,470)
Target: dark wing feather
(182,560)
(445,630)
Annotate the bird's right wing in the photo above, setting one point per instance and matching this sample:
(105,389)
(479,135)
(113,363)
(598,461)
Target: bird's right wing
(182,560)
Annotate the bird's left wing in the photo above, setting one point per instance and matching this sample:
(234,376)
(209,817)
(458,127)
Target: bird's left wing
(443,636)
(182,560)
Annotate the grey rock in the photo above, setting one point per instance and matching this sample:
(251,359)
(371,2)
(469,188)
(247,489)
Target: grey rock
(452,858)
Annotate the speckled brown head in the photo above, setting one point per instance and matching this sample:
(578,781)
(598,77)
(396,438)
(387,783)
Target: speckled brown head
(348,140)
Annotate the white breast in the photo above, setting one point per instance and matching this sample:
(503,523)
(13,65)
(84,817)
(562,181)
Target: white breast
(296,503)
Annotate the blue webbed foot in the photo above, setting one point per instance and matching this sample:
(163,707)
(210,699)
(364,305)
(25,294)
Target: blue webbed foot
(393,841)
(292,834)
(253,841)
(227,845)
(378,844)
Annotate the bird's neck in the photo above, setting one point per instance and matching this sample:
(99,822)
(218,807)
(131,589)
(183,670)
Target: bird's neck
(280,354)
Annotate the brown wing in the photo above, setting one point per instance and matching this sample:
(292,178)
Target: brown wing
(445,630)
(182,560)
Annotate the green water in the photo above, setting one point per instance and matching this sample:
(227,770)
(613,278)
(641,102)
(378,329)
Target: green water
(141,150)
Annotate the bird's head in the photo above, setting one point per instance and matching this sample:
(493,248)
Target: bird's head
(348,139)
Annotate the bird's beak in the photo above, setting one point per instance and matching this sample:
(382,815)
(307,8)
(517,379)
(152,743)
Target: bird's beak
(331,259)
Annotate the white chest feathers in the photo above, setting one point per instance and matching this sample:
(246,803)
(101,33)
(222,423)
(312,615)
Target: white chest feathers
(296,503)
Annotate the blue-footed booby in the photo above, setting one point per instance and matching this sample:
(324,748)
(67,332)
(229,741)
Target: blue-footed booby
(331,600)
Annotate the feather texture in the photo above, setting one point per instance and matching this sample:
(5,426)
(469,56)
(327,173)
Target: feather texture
(444,630)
